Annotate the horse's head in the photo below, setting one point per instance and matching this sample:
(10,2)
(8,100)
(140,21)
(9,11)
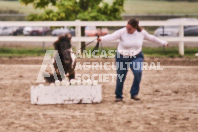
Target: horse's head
(63,45)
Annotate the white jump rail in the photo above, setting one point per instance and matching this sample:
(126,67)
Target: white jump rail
(78,24)
(44,95)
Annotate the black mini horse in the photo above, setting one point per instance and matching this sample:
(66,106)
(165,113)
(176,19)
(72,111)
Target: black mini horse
(67,57)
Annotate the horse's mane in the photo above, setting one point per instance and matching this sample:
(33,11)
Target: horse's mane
(62,38)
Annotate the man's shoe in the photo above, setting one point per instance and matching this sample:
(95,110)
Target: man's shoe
(118,100)
(135,97)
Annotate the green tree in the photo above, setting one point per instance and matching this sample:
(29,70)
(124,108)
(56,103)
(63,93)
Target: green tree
(86,10)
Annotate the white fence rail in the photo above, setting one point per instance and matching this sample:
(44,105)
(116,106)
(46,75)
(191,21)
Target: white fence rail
(78,24)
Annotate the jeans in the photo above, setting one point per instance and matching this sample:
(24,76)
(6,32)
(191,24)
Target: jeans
(122,65)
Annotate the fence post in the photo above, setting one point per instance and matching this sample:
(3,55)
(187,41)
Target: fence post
(43,41)
(78,35)
(181,42)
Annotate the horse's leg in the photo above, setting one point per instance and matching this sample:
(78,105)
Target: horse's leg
(71,74)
